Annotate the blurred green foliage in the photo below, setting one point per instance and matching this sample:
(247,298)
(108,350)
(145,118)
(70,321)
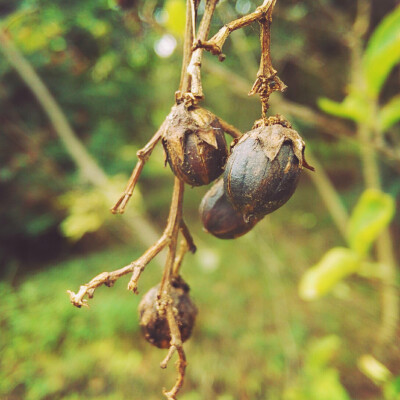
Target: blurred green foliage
(381,55)
(371,215)
(50,349)
(374,210)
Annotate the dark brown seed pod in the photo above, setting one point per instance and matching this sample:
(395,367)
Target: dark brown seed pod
(263,170)
(155,325)
(219,217)
(195,145)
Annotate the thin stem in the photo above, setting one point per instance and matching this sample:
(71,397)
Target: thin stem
(267,80)
(188,237)
(183,249)
(215,44)
(169,237)
(193,9)
(266,67)
(109,278)
(195,62)
(240,45)
(143,155)
(164,296)
(164,363)
(187,49)
(181,363)
(174,223)
(230,129)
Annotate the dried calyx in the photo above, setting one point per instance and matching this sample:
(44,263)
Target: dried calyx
(195,145)
(264,168)
(219,217)
(153,320)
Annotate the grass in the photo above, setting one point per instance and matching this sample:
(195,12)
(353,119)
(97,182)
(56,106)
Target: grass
(253,336)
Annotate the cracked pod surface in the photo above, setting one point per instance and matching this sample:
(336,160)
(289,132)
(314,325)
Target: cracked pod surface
(219,217)
(195,145)
(154,325)
(263,170)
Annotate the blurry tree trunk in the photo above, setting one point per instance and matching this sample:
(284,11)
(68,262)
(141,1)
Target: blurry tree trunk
(88,168)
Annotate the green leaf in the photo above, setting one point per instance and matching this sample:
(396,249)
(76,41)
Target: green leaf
(392,389)
(371,215)
(321,352)
(389,114)
(373,369)
(382,52)
(327,386)
(75,226)
(353,107)
(335,265)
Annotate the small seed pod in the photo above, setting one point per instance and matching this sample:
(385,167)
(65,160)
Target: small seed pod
(195,145)
(154,323)
(263,170)
(219,217)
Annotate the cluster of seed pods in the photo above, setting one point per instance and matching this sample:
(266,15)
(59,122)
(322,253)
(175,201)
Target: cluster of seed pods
(259,175)
(254,177)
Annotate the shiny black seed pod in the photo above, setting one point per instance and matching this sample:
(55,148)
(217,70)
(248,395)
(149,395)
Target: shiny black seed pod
(195,145)
(154,324)
(219,217)
(264,169)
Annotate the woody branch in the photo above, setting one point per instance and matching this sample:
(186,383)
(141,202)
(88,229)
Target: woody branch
(215,44)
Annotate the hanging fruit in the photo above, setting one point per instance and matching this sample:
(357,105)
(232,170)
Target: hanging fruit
(264,169)
(219,217)
(195,145)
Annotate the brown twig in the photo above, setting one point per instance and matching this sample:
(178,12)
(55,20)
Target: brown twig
(109,278)
(143,155)
(186,244)
(183,249)
(230,129)
(184,84)
(175,224)
(138,266)
(188,237)
(176,345)
(267,80)
(215,44)
(194,66)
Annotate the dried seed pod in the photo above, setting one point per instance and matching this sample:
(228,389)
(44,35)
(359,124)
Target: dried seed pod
(154,323)
(195,145)
(219,217)
(263,170)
